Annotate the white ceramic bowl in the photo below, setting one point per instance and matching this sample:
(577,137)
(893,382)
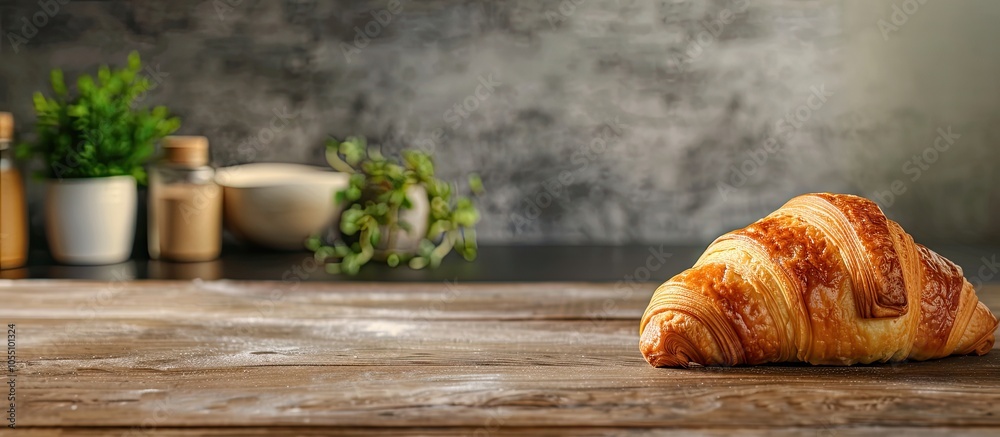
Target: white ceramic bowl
(279,206)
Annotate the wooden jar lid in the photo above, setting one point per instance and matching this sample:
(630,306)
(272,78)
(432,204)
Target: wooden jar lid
(6,126)
(186,150)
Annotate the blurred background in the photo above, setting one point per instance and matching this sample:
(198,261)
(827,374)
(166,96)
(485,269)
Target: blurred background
(590,121)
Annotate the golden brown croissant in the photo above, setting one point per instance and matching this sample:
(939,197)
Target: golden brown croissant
(825,279)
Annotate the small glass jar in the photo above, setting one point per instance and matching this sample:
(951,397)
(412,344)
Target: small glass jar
(13,209)
(185,203)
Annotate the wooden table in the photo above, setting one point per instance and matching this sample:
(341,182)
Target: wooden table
(221,358)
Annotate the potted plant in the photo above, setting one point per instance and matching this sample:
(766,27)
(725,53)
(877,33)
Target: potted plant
(94,145)
(395,211)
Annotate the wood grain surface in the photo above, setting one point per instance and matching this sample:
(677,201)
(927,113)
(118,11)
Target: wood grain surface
(218,358)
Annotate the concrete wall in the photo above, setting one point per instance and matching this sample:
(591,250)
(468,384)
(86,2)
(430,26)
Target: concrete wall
(594,121)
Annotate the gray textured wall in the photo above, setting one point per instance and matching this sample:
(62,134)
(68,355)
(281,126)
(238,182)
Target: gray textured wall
(610,121)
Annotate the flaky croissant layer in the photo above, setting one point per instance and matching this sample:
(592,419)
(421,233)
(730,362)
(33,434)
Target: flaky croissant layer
(825,279)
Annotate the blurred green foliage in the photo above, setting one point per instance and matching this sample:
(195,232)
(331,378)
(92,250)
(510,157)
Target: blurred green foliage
(373,199)
(98,132)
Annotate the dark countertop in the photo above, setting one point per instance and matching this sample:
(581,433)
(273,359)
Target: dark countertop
(652,263)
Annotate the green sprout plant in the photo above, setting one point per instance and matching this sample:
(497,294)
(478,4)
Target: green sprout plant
(98,132)
(378,192)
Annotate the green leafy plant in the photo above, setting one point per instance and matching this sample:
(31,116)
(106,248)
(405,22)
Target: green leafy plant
(98,132)
(373,200)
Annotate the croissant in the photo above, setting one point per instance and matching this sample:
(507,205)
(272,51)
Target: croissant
(825,279)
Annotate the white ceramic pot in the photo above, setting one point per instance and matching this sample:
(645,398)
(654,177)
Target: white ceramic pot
(91,221)
(418,219)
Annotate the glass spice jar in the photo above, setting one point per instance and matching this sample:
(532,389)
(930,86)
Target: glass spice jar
(13,210)
(185,203)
